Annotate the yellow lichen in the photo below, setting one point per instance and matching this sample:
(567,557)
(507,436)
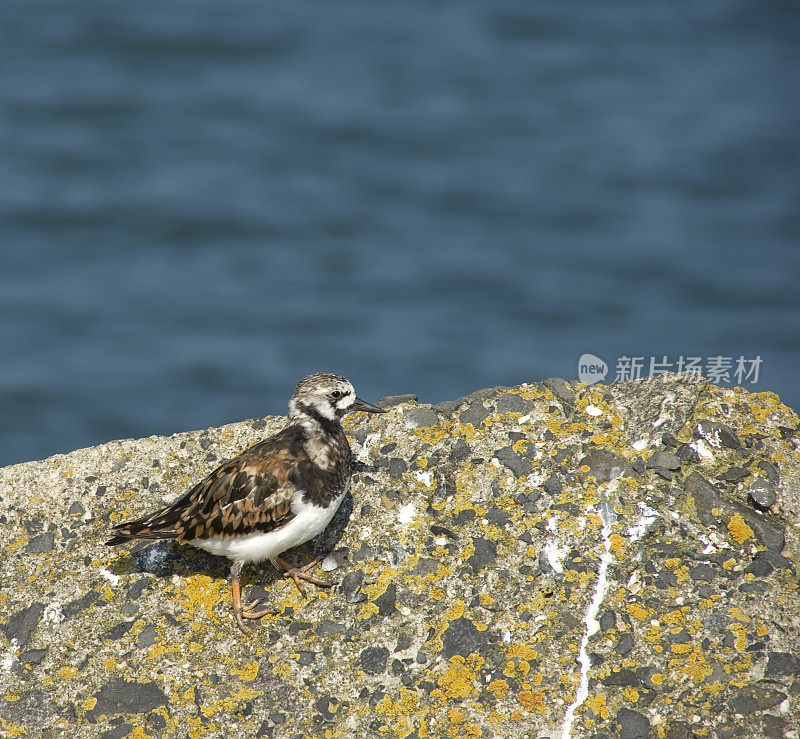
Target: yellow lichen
(738,529)
(456,610)
(533,700)
(460,676)
(247,672)
(598,705)
(638,611)
(499,687)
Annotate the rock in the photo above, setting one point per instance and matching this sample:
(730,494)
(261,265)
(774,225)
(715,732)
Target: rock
(762,493)
(560,389)
(420,417)
(41,544)
(122,696)
(604,465)
(464,638)
(373,660)
(734,475)
(632,724)
(22,624)
(718,434)
(485,552)
(782,665)
(392,400)
(461,606)
(475,413)
(664,460)
(518,464)
(513,403)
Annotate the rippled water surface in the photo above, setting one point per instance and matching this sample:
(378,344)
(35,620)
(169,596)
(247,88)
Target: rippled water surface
(200,202)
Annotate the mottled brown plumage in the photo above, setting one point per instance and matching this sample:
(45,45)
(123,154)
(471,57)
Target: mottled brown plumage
(277,494)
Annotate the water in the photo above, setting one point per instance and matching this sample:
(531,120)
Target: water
(201,202)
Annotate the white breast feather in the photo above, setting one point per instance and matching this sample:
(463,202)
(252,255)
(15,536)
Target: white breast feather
(309,521)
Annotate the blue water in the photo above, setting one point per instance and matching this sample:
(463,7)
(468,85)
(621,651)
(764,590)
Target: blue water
(200,202)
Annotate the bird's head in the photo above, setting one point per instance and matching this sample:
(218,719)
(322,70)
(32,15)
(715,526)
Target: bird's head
(327,395)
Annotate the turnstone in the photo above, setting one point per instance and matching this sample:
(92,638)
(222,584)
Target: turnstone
(279,493)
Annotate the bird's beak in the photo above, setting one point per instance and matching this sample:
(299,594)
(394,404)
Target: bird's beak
(362,405)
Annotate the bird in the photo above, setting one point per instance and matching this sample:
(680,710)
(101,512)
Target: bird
(278,494)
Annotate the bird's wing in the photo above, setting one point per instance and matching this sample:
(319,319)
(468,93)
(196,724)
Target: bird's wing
(251,493)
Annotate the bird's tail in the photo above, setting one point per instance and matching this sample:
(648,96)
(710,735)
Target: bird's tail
(160,525)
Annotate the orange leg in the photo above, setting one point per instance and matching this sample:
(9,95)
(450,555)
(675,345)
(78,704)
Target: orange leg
(301,573)
(247,611)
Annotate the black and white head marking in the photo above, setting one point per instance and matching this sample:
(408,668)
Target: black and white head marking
(322,396)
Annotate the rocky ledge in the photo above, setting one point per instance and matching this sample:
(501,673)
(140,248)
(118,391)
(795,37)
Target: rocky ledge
(547,560)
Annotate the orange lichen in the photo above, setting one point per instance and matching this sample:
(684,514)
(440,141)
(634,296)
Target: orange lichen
(533,700)
(738,529)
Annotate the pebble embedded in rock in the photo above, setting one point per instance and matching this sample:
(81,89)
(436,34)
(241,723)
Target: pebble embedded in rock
(391,400)
(336,559)
(446,406)
(460,450)
(41,543)
(518,464)
(350,587)
(632,724)
(624,644)
(621,678)
(373,660)
(387,601)
(608,620)
(687,453)
(734,475)
(147,637)
(664,460)
(23,623)
(397,467)
(552,485)
(118,631)
(485,552)
(781,665)
(33,656)
(762,493)
(498,517)
(463,637)
(475,414)
(713,431)
(770,470)
(752,698)
(420,418)
(513,403)
(560,389)
(604,465)
(121,696)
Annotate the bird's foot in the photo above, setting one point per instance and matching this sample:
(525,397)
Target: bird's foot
(301,573)
(248,612)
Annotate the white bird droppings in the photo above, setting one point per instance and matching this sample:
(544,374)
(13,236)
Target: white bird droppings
(406,513)
(53,614)
(110,576)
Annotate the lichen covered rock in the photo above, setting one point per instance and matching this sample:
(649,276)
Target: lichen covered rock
(544,560)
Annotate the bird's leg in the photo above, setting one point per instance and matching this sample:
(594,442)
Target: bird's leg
(247,611)
(300,573)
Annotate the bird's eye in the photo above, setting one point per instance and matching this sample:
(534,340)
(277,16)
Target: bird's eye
(336,394)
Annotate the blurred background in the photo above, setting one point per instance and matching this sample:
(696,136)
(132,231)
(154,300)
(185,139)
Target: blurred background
(201,202)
